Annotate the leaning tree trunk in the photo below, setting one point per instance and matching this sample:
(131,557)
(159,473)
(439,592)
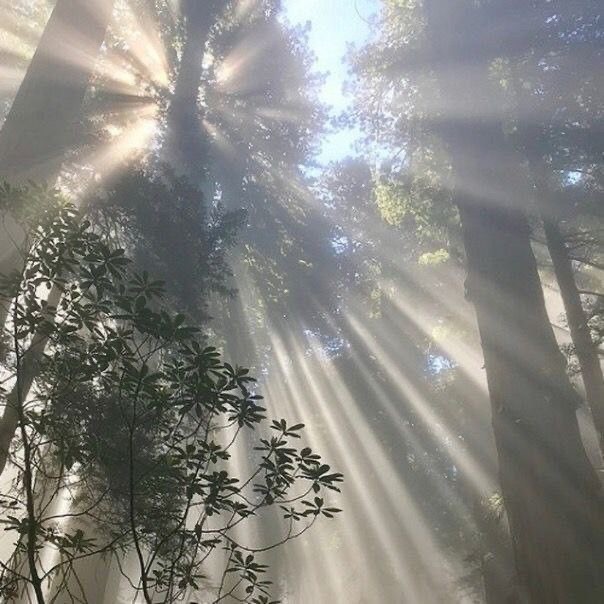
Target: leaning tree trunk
(39,129)
(585,349)
(552,494)
(28,370)
(42,122)
(41,125)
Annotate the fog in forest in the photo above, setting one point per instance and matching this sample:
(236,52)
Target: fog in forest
(302,301)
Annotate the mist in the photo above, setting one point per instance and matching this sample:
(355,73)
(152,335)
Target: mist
(302,301)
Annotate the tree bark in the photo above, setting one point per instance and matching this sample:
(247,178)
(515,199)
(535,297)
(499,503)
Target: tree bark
(552,494)
(185,145)
(39,129)
(586,351)
(42,122)
(41,125)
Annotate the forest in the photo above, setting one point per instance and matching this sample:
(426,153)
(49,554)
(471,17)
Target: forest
(302,301)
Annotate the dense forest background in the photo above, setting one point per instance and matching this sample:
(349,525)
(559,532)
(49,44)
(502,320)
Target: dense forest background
(215,263)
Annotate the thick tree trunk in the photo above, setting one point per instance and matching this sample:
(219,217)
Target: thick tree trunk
(42,123)
(38,131)
(552,494)
(185,140)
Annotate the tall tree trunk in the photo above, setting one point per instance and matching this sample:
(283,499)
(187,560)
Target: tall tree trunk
(39,129)
(42,122)
(585,349)
(552,494)
(185,141)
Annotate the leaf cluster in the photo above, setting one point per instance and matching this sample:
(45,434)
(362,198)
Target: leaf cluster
(134,419)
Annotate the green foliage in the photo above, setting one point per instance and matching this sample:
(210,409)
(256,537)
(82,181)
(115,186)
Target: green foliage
(437,257)
(28,203)
(422,208)
(134,419)
(172,230)
(392,203)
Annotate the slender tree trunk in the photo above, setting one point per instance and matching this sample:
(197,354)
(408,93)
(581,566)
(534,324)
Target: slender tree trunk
(585,349)
(27,371)
(16,404)
(552,494)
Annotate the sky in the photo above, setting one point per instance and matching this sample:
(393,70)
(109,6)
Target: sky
(334,24)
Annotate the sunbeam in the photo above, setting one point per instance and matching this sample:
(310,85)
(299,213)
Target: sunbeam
(301,302)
